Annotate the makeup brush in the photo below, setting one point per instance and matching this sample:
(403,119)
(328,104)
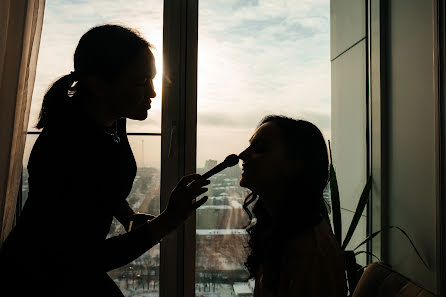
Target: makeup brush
(229,161)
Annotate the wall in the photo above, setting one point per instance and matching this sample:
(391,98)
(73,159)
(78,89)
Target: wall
(404,126)
(411,104)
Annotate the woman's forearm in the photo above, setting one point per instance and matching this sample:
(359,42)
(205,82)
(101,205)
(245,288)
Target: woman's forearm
(121,250)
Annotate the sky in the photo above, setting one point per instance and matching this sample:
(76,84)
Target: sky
(255,57)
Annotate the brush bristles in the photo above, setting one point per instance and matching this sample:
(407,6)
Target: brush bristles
(231,160)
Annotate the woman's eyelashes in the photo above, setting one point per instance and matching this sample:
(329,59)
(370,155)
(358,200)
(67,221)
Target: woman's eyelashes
(142,82)
(258,147)
(145,80)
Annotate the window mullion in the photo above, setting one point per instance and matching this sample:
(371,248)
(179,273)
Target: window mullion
(178,139)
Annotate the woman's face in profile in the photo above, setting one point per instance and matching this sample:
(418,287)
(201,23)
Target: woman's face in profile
(265,165)
(130,95)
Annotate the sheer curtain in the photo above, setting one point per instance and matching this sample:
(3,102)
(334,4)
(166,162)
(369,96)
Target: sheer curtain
(20,30)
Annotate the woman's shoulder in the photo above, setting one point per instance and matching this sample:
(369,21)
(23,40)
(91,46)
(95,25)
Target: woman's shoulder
(316,240)
(64,141)
(317,244)
(311,259)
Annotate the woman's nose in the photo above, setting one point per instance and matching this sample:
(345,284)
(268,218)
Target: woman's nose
(152,93)
(244,155)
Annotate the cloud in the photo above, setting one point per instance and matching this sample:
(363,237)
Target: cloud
(278,57)
(258,58)
(66,21)
(228,119)
(255,57)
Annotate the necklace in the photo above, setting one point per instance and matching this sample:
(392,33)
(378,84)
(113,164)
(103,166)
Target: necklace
(114,134)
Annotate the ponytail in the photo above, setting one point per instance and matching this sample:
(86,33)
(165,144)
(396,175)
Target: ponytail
(55,100)
(104,51)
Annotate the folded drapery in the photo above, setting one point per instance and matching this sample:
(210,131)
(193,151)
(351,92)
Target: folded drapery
(20,31)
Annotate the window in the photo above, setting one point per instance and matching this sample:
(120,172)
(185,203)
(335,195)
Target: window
(254,58)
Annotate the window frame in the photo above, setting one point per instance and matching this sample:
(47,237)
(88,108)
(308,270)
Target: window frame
(440,75)
(178,139)
(378,128)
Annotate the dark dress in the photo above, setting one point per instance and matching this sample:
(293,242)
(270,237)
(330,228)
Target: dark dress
(78,176)
(311,264)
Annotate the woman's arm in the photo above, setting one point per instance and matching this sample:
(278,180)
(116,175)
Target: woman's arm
(63,225)
(66,231)
(122,249)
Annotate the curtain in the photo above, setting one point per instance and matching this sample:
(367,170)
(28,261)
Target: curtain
(20,30)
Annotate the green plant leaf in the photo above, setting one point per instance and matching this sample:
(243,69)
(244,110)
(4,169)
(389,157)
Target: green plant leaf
(335,202)
(335,205)
(353,270)
(371,236)
(359,209)
(368,253)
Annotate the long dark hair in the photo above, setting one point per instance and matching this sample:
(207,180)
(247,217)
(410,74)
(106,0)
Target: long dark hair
(301,207)
(103,51)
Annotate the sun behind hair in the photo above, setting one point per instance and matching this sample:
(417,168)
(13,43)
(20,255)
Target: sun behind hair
(103,51)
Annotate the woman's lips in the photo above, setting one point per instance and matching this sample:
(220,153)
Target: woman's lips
(244,169)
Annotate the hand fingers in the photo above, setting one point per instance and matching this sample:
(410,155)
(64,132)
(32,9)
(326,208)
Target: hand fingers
(200,202)
(199,183)
(200,191)
(187,179)
(193,181)
(196,193)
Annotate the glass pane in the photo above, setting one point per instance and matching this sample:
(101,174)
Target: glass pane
(64,24)
(141,277)
(254,58)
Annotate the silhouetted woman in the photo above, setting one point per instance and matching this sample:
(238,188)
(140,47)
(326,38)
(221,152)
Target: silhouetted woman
(81,170)
(292,249)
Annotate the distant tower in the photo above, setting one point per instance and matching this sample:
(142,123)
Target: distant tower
(142,149)
(210,164)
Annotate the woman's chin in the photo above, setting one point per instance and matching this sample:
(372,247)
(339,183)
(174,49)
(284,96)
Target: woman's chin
(141,116)
(245,184)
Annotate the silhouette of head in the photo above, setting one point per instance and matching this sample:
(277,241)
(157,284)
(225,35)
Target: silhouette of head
(112,64)
(285,156)
(286,166)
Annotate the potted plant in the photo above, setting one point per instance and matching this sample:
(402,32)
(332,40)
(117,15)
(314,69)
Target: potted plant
(353,269)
